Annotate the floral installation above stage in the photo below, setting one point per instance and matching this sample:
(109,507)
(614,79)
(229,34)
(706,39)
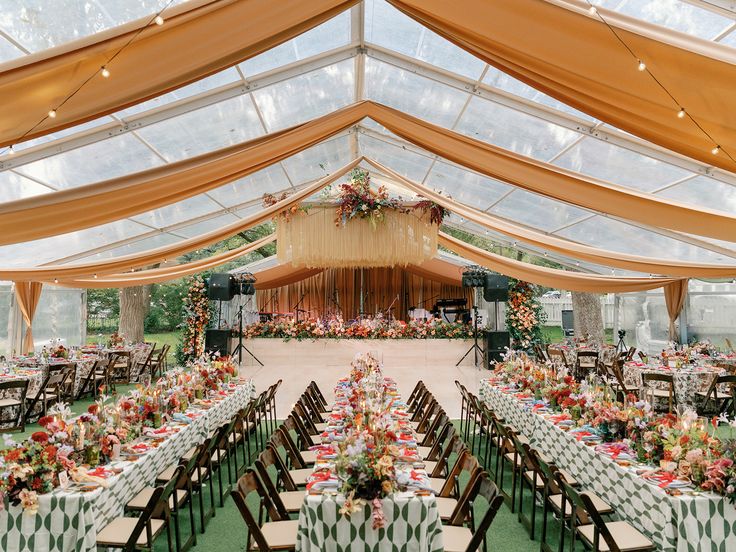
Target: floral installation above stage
(681,449)
(524,315)
(75,450)
(374,328)
(197,310)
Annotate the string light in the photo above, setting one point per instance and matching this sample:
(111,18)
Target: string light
(593,10)
(11,150)
(56,280)
(158,20)
(52,113)
(95,276)
(104,72)
(681,113)
(715,150)
(642,66)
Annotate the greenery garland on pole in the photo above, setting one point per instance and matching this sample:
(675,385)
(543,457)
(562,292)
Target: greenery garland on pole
(197,317)
(525,315)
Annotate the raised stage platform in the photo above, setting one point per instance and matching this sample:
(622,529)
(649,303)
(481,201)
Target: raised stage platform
(326,360)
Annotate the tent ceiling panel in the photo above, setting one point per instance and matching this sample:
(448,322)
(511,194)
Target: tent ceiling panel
(514,130)
(99,161)
(331,34)
(205,226)
(413,94)
(57,247)
(178,212)
(704,191)
(208,83)
(615,235)
(388,27)
(403,161)
(216,126)
(319,160)
(135,246)
(537,211)
(675,14)
(8,50)
(307,96)
(14,186)
(622,166)
(268,180)
(466,186)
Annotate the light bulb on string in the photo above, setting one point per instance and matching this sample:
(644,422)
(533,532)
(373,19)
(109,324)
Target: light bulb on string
(593,10)
(642,66)
(158,20)
(715,150)
(11,150)
(56,280)
(681,113)
(95,276)
(52,113)
(105,72)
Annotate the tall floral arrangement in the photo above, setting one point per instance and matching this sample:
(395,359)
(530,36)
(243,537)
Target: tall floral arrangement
(524,315)
(357,200)
(197,318)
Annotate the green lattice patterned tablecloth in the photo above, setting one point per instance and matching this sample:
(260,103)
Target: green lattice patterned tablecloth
(684,524)
(412,525)
(69,521)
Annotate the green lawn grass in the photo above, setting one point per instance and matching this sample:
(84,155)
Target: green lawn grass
(553,334)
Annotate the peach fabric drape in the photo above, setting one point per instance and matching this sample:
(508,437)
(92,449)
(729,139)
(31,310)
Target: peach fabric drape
(164,274)
(198,39)
(28,295)
(561,49)
(337,290)
(551,277)
(153,256)
(282,274)
(94,204)
(674,297)
(566,247)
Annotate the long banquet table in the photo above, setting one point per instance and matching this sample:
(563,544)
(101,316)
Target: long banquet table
(412,521)
(682,523)
(68,521)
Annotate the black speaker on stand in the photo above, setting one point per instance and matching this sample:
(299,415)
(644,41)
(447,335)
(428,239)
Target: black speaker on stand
(217,341)
(496,344)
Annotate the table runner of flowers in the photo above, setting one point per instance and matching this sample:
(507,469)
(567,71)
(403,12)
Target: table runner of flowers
(369,489)
(625,451)
(76,474)
(373,328)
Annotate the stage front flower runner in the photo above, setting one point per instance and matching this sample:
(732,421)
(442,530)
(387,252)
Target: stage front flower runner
(368,491)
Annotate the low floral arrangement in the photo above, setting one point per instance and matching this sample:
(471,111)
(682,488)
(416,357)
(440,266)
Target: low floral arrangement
(59,352)
(115,340)
(285,214)
(682,446)
(71,446)
(336,328)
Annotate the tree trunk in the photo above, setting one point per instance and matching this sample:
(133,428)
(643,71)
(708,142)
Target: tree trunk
(134,305)
(587,317)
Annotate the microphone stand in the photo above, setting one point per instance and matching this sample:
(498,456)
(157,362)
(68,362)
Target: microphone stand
(390,307)
(296,307)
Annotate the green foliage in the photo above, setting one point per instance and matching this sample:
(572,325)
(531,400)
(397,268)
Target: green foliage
(165,313)
(103,310)
(525,315)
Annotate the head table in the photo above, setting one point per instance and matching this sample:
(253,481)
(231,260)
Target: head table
(700,521)
(68,518)
(410,518)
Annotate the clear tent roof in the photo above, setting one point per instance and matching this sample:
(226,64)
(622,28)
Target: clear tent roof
(370,52)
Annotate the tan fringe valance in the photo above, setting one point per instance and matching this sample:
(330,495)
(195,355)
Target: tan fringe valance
(314,240)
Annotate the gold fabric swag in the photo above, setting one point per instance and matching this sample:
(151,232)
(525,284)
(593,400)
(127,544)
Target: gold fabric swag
(338,290)
(93,204)
(315,240)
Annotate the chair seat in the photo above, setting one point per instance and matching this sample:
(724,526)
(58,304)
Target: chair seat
(718,395)
(140,501)
(309,456)
(281,534)
(235,437)
(292,500)
(529,476)
(665,393)
(429,465)
(601,506)
(423,451)
(195,475)
(167,474)
(118,531)
(512,458)
(219,454)
(436,483)
(300,476)
(456,539)
(569,478)
(445,506)
(7,403)
(420,437)
(188,455)
(627,538)
(321,426)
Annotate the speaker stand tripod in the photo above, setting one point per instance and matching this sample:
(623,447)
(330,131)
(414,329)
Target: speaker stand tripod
(240,347)
(475,348)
